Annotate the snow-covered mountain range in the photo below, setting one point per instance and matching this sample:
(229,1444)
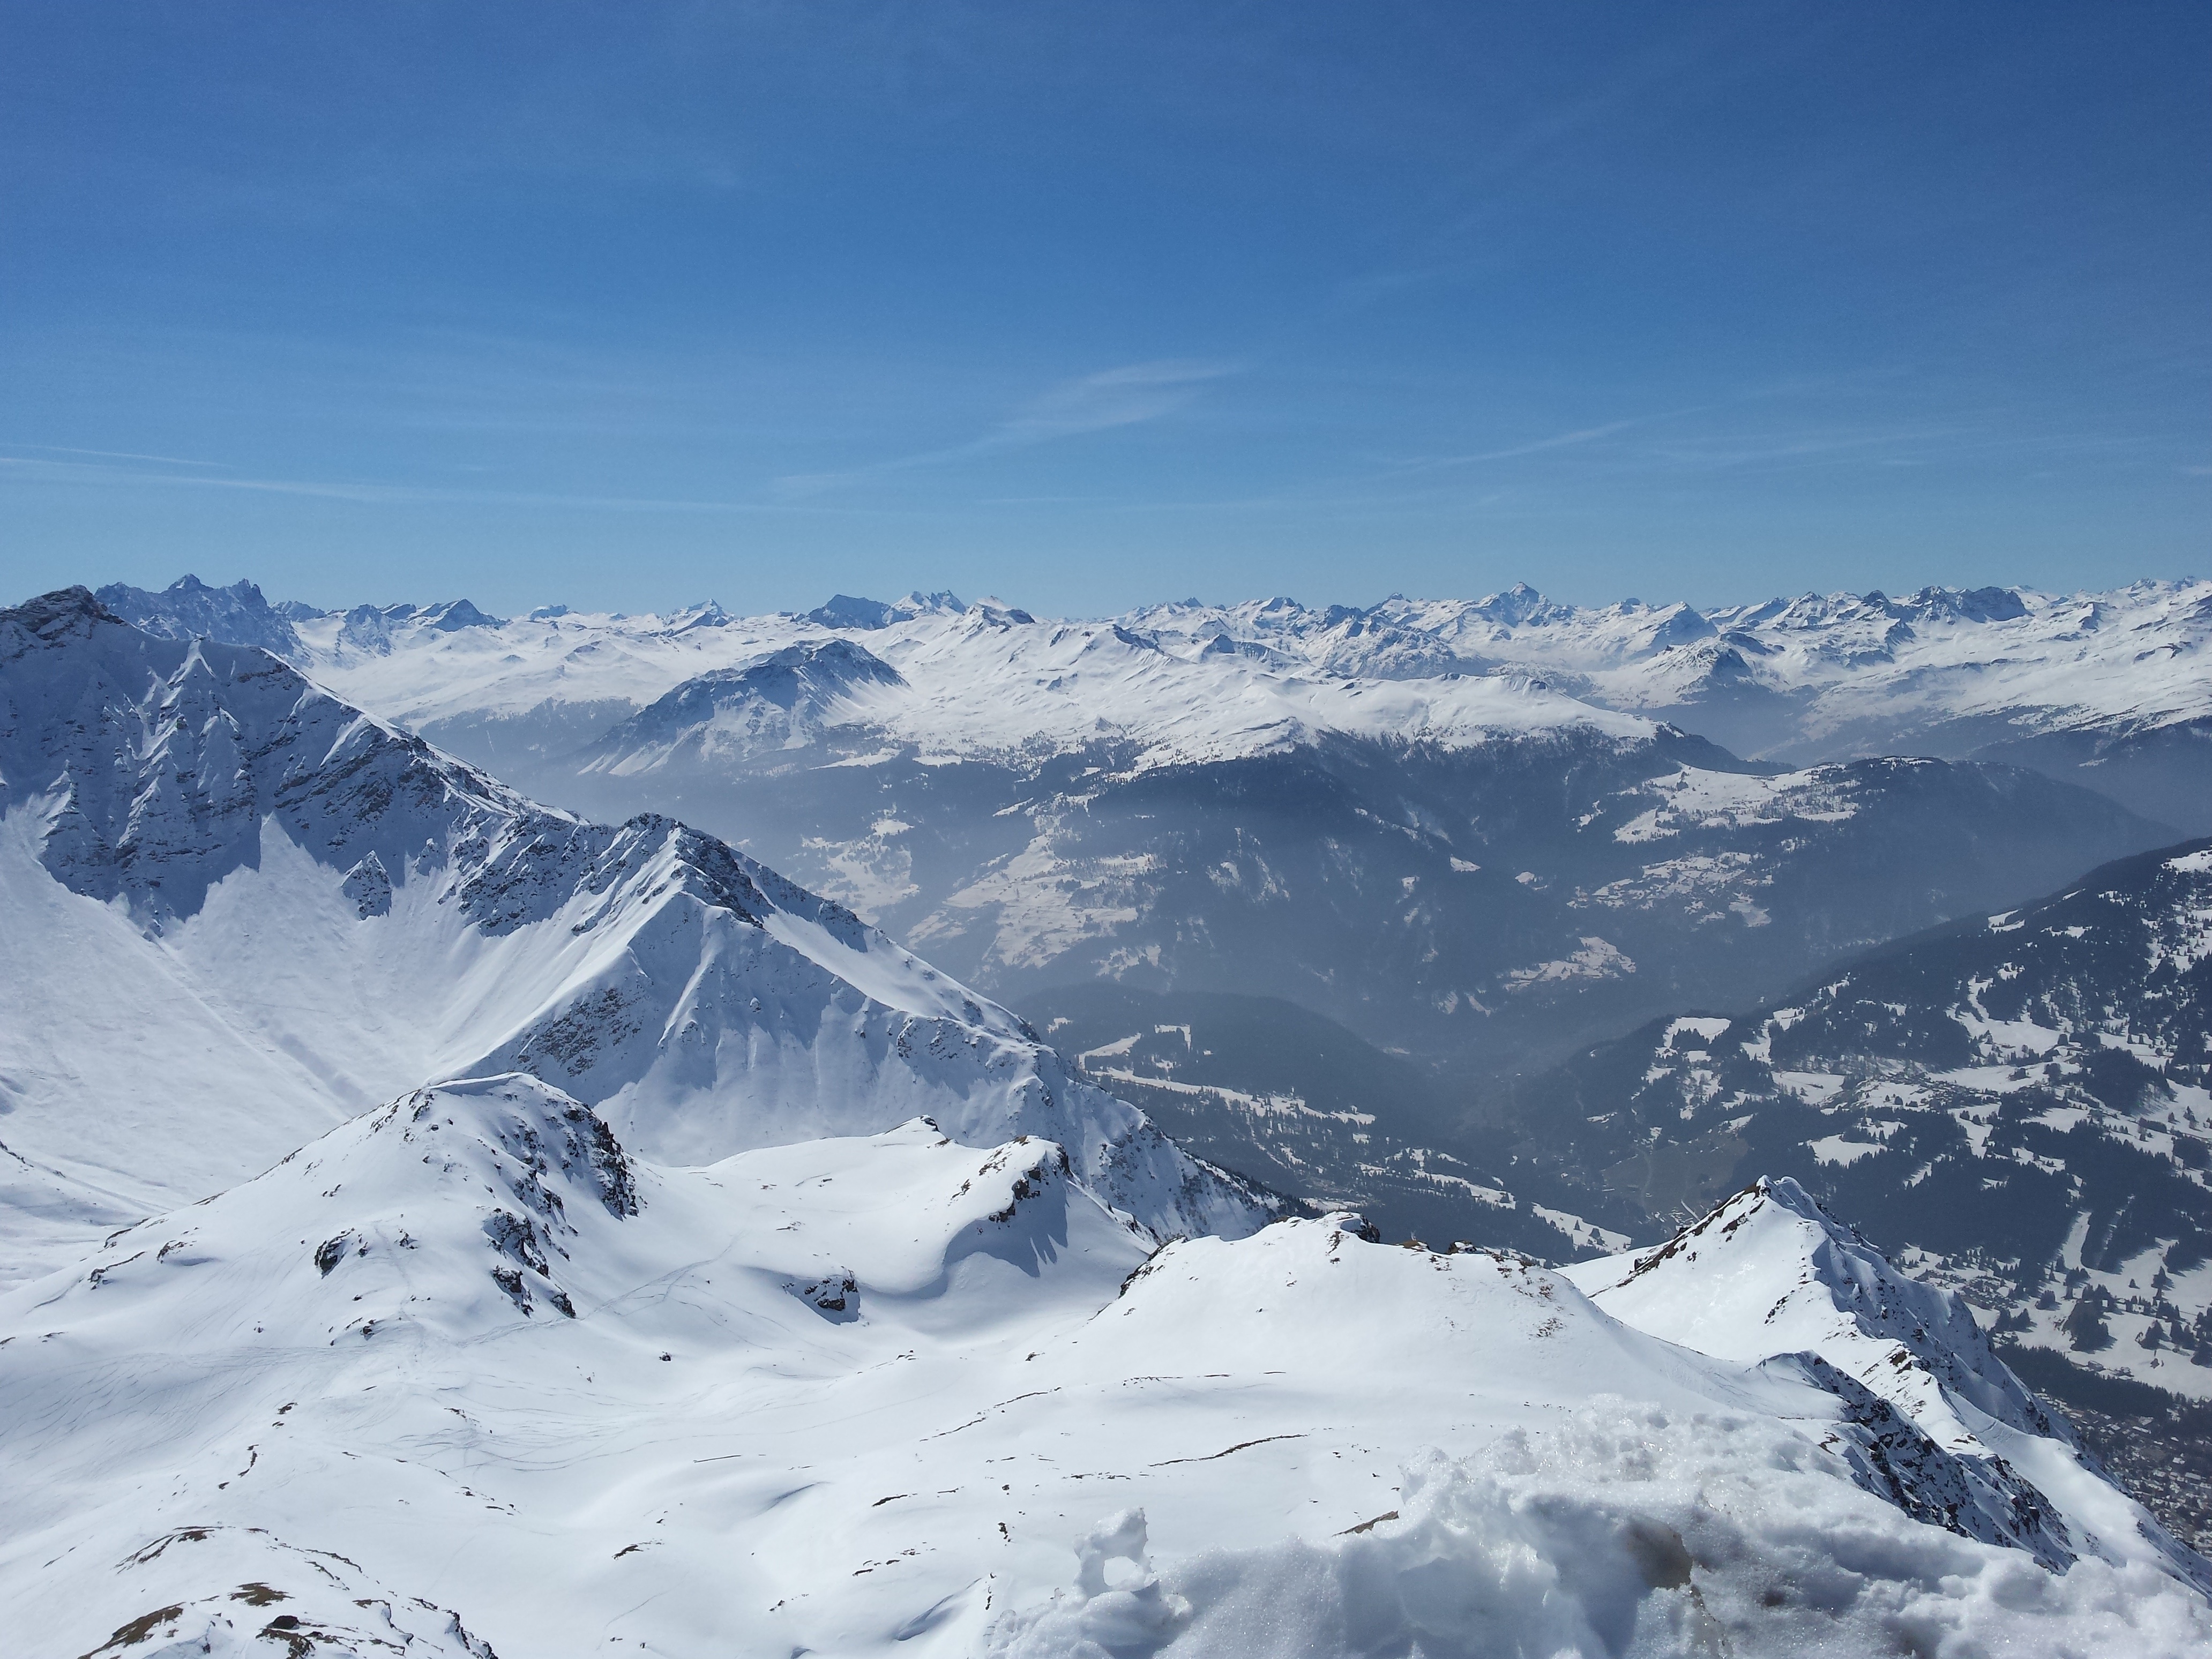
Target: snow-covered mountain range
(1471,868)
(2106,687)
(529,1234)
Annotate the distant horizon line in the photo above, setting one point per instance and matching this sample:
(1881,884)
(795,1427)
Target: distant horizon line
(946,600)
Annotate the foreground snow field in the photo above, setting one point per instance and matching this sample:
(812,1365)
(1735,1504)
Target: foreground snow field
(463,1377)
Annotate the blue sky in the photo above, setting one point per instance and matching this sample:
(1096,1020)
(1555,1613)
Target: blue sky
(1089,305)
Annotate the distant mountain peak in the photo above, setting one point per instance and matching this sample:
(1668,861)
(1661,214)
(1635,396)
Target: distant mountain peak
(191,609)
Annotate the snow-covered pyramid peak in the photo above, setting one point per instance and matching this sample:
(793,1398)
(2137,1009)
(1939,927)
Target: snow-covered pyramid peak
(780,701)
(1770,1271)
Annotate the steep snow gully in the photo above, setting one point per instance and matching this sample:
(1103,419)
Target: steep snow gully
(524,1237)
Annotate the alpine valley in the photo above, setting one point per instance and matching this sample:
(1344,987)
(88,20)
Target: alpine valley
(457,1198)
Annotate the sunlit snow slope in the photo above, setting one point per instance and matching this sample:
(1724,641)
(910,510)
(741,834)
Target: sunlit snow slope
(461,1375)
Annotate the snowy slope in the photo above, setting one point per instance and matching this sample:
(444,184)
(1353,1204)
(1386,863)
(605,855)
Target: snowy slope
(463,1368)
(1770,1272)
(241,911)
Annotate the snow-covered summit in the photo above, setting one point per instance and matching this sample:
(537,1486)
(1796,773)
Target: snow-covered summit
(189,609)
(1769,1272)
(1770,1277)
(788,699)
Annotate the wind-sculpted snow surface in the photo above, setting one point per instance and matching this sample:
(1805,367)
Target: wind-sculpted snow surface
(1769,1276)
(466,1376)
(238,911)
(1622,1531)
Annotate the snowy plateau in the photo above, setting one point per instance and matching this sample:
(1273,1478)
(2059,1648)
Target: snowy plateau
(440,1223)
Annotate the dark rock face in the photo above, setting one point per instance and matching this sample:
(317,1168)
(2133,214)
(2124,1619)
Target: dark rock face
(1891,1456)
(369,886)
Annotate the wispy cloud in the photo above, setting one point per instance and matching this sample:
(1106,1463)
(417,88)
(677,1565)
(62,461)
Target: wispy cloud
(116,455)
(1114,397)
(1128,396)
(41,470)
(1532,446)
